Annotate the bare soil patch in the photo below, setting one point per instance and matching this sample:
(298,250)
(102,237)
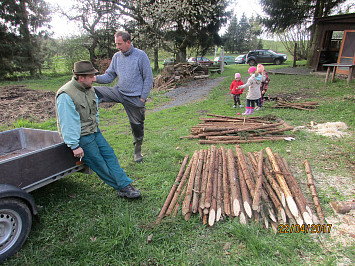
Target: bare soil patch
(21,103)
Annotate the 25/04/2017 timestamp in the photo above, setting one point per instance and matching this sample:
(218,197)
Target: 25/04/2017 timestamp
(304,228)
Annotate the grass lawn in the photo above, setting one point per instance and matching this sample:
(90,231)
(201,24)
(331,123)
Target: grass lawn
(82,222)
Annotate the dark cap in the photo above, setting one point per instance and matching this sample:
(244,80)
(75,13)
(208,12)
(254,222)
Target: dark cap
(84,67)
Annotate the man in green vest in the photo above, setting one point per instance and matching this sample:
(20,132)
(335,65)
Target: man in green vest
(78,120)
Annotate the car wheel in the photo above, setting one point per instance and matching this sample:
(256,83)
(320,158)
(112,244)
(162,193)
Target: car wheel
(278,61)
(252,62)
(15,226)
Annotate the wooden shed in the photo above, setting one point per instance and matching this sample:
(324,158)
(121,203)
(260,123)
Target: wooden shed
(336,42)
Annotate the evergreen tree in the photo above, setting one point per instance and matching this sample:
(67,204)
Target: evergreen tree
(242,36)
(230,38)
(21,24)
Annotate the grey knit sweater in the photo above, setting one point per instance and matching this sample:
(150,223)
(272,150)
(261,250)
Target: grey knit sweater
(135,77)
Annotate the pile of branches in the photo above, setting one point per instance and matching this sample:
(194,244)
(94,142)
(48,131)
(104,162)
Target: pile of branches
(299,105)
(181,72)
(217,183)
(234,130)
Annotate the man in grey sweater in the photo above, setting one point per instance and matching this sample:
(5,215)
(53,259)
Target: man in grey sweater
(135,79)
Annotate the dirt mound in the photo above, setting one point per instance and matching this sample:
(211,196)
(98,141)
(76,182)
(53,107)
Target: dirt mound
(21,103)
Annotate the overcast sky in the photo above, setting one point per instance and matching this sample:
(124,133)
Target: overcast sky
(62,28)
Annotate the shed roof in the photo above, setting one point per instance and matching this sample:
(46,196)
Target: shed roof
(344,19)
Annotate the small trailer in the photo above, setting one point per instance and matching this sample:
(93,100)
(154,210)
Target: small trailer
(29,159)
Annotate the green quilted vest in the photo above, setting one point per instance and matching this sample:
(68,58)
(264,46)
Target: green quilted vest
(85,104)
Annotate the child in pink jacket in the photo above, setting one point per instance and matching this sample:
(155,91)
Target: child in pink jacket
(264,84)
(235,90)
(254,93)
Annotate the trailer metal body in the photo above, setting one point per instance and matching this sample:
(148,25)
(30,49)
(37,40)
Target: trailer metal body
(29,159)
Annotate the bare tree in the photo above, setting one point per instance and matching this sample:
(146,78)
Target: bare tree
(180,23)
(298,36)
(95,17)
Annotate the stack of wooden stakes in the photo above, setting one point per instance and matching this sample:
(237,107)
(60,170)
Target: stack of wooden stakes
(300,105)
(217,183)
(172,74)
(234,130)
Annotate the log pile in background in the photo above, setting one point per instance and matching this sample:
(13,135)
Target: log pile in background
(180,72)
(234,130)
(299,105)
(219,183)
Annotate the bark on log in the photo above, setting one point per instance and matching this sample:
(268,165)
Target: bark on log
(213,209)
(303,198)
(313,190)
(204,181)
(244,191)
(252,166)
(226,197)
(186,206)
(178,203)
(246,174)
(205,219)
(219,187)
(173,188)
(274,184)
(282,182)
(281,214)
(197,183)
(234,188)
(259,183)
(295,190)
(239,141)
(210,181)
(264,218)
(180,187)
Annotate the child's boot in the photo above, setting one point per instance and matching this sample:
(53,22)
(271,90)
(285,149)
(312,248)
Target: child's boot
(251,110)
(247,111)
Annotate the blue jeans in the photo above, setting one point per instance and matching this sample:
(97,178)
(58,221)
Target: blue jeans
(101,158)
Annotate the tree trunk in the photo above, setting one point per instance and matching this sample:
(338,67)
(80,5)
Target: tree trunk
(24,28)
(91,50)
(318,12)
(156,58)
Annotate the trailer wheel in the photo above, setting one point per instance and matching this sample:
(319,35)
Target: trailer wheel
(15,226)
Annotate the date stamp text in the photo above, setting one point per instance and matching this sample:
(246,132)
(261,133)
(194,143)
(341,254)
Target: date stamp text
(304,228)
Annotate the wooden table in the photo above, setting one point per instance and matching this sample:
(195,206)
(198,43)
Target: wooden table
(334,66)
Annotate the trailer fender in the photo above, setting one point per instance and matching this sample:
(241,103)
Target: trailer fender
(10,191)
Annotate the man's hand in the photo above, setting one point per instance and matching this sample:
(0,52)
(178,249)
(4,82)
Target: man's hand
(142,100)
(79,153)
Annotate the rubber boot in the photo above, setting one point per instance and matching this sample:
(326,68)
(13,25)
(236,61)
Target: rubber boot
(251,110)
(247,111)
(138,157)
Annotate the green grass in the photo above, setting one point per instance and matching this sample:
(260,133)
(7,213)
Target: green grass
(82,221)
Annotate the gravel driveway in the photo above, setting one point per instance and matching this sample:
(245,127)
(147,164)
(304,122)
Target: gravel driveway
(192,91)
